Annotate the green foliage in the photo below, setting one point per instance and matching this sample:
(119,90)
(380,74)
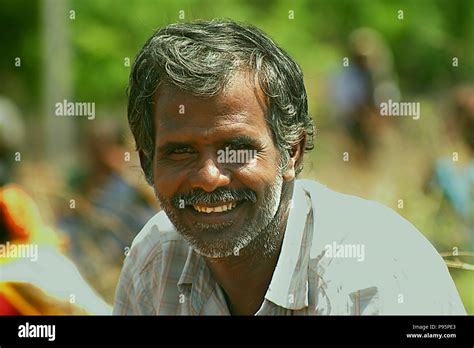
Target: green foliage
(105,32)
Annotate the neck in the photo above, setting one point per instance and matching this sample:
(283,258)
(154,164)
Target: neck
(245,277)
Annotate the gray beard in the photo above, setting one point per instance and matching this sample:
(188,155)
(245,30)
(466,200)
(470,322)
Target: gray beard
(259,234)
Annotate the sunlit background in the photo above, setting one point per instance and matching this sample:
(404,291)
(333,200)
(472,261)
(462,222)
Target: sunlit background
(82,174)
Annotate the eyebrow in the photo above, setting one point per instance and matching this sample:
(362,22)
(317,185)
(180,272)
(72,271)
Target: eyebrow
(243,140)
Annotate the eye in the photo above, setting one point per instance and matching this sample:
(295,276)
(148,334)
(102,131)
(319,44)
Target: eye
(180,153)
(182,150)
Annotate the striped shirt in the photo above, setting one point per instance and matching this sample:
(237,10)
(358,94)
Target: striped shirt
(340,255)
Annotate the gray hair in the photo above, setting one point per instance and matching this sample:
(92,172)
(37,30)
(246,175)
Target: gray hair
(200,57)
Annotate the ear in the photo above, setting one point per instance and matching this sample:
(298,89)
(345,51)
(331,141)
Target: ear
(141,155)
(143,161)
(295,159)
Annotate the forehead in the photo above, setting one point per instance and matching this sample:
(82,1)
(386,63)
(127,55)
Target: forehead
(240,107)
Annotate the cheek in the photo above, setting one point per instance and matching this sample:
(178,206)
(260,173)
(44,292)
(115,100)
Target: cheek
(166,181)
(259,176)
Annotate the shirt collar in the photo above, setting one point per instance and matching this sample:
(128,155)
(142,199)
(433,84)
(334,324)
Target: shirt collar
(196,281)
(289,285)
(189,270)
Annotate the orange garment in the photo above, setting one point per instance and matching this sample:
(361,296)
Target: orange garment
(22,221)
(27,299)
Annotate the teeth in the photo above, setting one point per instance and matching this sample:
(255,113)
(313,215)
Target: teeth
(219,209)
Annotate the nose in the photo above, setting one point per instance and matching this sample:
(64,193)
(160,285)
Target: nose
(209,176)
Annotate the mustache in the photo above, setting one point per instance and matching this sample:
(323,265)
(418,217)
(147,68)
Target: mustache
(219,195)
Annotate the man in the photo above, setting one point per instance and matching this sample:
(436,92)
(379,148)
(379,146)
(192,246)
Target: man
(240,235)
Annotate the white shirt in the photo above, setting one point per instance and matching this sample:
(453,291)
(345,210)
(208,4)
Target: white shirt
(340,255)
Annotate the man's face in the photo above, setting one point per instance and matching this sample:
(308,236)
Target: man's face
(219,204)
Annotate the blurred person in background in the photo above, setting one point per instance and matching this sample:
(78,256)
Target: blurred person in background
(11,137)
(366,80)
(110,208)
(36,278)
(453,176)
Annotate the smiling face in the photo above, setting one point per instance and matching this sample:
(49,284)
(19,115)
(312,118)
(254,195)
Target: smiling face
(217,203)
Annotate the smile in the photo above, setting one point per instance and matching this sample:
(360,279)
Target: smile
(216,209)
(216,213)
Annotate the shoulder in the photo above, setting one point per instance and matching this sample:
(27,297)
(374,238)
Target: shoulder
(155,241)
(342,217)
(151,268)
(380,250)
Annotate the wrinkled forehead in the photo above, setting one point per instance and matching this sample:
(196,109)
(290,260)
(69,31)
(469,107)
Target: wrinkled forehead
(241,101)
